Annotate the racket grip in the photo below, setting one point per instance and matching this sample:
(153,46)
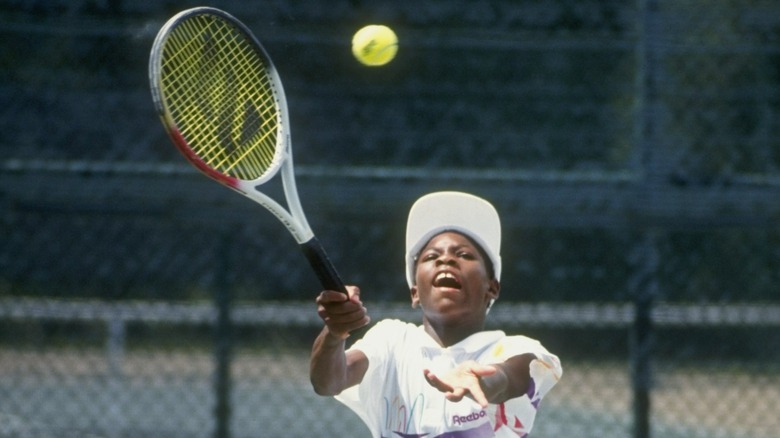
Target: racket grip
(322,265)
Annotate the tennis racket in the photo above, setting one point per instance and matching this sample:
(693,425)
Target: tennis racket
(221,100)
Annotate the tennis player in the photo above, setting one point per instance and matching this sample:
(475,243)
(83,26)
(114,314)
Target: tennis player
(447,377)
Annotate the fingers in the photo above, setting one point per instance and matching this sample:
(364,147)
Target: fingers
(483,370)
(354,293)
(462,382)
(470,387)
(332,296)
(478,395)
(474,388)
(342,313)
(437,383)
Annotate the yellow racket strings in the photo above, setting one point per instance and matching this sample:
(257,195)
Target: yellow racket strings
(220,97)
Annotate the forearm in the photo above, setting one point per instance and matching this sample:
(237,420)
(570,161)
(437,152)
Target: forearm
(495,387)
(328,364)
(332,368)
(510,380)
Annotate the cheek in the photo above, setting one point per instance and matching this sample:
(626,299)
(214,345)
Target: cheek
(422,271)
(480,280)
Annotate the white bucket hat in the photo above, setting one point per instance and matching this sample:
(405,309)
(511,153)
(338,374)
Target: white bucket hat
(452,211)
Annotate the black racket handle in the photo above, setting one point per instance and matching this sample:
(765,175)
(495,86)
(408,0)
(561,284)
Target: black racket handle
(322,265)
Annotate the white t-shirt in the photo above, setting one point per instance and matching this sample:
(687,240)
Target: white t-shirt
(394,399)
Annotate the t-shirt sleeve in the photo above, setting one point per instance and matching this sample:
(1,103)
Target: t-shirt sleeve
(377,342)
(515,417)
(376,345)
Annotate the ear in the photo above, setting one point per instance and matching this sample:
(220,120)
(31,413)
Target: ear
(415,297)
(494,290)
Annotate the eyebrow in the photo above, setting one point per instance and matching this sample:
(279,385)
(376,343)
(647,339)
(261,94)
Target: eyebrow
(457,247)
(470,244)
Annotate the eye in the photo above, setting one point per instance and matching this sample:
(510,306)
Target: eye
(429,256)
(466,255)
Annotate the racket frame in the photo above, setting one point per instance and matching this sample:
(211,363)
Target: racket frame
(293,218)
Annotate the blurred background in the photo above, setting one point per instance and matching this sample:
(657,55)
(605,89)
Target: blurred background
(632,149)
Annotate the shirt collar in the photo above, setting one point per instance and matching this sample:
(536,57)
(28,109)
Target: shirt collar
(472,344)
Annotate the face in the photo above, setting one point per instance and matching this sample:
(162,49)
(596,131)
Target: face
(452,279)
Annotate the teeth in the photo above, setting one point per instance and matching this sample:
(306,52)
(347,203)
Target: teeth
(444,275)
(446,279)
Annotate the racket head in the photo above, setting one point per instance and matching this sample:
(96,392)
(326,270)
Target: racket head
(219,97)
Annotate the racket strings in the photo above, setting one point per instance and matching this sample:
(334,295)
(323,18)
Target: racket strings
(221,98)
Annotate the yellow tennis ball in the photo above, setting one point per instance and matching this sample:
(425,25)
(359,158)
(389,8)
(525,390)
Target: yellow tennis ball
(375,45)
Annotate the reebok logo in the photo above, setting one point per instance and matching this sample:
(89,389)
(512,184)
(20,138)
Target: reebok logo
(461,419)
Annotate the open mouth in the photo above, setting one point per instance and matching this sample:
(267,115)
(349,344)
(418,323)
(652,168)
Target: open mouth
(446,279)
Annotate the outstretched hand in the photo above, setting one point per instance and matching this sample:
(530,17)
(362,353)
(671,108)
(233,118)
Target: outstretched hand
(462,381)
(342,313)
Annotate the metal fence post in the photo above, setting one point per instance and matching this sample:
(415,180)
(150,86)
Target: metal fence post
(644,290)
(644,281)
(223,347)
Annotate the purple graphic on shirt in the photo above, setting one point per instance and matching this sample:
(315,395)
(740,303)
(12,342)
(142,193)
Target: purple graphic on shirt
(483,431)
(532,395)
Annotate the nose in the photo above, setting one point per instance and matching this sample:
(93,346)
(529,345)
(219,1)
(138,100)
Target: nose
(445,259)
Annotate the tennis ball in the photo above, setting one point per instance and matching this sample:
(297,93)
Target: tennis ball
(375,45)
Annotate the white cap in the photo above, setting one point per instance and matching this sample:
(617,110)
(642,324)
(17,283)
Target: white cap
(452,211)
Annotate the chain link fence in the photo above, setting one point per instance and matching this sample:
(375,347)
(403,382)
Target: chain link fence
(632,149)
